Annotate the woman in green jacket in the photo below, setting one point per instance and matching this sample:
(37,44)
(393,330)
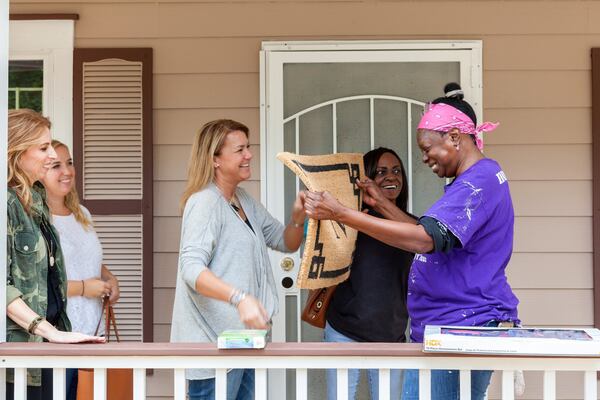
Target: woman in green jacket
(36,281)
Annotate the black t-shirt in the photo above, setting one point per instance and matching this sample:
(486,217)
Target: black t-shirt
(370,306)
(55,302)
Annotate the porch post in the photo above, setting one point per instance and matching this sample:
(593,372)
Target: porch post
(3,128)
(3,137)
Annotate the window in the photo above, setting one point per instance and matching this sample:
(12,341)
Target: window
(26,84)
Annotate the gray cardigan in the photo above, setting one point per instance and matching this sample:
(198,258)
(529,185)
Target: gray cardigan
(214,236)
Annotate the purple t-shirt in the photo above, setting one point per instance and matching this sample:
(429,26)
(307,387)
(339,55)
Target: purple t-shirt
(467,286)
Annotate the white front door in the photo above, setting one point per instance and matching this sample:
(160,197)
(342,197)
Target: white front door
(320,98)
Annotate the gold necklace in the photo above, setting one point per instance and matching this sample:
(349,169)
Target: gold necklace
(235,203)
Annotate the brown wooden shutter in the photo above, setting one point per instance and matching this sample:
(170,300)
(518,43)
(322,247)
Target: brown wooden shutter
(112,148)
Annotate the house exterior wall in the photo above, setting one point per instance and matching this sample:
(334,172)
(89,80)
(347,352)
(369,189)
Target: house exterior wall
(537,83)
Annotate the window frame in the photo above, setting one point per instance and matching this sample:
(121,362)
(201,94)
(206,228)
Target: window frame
(51,41)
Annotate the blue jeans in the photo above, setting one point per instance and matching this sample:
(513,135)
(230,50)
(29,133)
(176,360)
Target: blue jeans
(445,384)
(240,386)
(331,335)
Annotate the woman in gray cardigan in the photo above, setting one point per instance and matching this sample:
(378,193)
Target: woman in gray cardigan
(224,278)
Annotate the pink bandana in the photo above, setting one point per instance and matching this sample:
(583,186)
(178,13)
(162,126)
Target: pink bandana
(443,117)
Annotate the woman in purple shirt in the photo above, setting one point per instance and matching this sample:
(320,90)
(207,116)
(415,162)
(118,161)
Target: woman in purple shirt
(463,242)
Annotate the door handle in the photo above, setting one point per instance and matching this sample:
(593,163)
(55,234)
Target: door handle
(287,264)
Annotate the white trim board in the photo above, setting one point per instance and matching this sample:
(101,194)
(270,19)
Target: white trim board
(350,45)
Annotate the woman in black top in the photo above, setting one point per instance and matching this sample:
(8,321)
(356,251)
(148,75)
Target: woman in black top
(371,305)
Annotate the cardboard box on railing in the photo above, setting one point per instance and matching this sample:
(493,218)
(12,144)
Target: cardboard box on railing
(523,341)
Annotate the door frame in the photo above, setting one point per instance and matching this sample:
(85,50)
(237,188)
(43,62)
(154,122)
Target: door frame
(274,55)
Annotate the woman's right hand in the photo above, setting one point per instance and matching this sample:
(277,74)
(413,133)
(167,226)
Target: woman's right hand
(322,205)
(56,336)
(372,194)
(252,313)
(94,288)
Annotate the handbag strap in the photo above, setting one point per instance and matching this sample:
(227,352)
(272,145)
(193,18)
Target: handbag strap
(109,319)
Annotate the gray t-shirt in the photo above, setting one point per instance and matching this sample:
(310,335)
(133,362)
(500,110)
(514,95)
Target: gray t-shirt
(214,236)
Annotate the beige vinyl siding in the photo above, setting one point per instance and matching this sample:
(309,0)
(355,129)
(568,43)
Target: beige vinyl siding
(537,82)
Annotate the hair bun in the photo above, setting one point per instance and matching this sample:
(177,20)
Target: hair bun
(453,90)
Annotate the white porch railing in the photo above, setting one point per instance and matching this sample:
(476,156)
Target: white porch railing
(298,356)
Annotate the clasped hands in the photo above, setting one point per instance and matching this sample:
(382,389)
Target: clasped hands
(97,287)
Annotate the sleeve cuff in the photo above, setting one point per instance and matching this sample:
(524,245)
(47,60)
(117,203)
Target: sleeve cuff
(12,293)
(190,275)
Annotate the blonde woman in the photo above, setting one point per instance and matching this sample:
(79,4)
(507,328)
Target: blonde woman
(36,282)
(224,279)
(88,279)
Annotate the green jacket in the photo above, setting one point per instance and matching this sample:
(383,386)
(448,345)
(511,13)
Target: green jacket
(27,268)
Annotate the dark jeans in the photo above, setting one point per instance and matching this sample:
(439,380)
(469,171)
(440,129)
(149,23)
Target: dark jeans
(43,392)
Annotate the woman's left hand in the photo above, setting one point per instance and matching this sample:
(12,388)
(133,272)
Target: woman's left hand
(56,336)
(298,214)
(115,292)
(322,205)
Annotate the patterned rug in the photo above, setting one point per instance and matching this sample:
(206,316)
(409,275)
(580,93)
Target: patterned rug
(329,245)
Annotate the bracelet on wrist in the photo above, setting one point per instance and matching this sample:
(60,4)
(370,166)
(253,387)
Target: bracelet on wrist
(34,324)
(236,297)
(296,225)
(82,287)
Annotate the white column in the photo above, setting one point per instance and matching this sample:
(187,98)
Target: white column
(58,383)
(342,383)
(260,384)
(221,384)
(425,384)
(179,384)
(508,385)
(465,384)
(3,125)
(139,384)
(590,391)
(384,384)
(20,384)
(99,383)
(301,384)
(549,385)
